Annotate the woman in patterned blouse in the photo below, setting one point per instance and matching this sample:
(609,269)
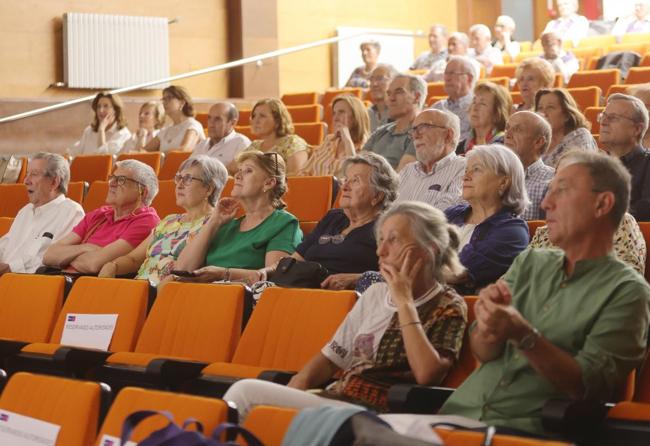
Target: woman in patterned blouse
(350,129)
(570,128)
(199,183)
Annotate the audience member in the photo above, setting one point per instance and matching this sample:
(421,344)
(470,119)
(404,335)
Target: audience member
(504,28)
(199,182)
(643,93)
(637,22)
(108,131)
(482,49)
(569,323)
(460,78)
(185,132)
(379,81)
(458,46)
(151,118)
(223,142)
(491,232)
(114,230)
(436,178)
(569,24)
(622,126)
(488,114)
(532,75)
(47,217)
(344,242)
(563,62)
(409,329)
(235,248)
(570,128)
(360,76)
(406,95)
(438,44)
(350,129)
(529,135)
(271,122)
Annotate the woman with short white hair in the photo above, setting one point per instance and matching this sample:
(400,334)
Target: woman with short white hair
(492,233)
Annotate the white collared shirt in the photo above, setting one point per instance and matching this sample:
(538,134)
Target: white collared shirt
(24,245)
(226,149)
(87,145)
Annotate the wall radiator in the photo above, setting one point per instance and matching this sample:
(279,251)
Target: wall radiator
(113,51)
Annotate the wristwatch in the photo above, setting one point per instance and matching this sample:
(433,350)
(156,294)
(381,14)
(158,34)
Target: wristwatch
(529,341)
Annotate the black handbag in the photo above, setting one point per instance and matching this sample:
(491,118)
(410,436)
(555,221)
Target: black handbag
(293,273)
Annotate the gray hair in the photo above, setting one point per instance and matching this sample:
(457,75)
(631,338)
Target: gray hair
(608,174)
(481,29)
(56,167)
(391,70)
(504,162)
(430,227)
(639,112)
(468,66)
(144,175)
(383,179)
(452,122)
(506,21)
(462,37)
(213,173)
(416,85)
(442,28)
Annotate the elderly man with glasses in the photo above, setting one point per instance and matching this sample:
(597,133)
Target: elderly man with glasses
(47,217)
(112,230)
(622,126)
(436,177)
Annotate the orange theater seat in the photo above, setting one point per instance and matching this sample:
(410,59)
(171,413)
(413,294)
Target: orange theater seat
(76,190)
(270,424)
(73,405)
(467,363)
(436,89)
(638,75)
(202,118)
(300,98)
(591,113)
(306,113)
(12,198)
(586,96)
(246,131)
(502,80)
(618,88)
(329,95)
(309,199)
(507,70)
(173,160)
(149,158)
(645,60)
(96,196)
(468,438)
(312,132)
(597,41)
(5,225)
(165,201)
(533,225)
(595,78)
(91,168)
(244,117)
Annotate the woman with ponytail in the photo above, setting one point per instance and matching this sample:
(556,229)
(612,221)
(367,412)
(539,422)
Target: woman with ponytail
(408,329)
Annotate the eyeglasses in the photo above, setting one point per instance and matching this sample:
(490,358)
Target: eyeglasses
(121,180)
(275,155)
(185,179)
(612,117)
(418,129)
(335,239)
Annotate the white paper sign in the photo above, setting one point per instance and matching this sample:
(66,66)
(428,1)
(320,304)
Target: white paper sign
(89,330)
(109,440)
(20,430)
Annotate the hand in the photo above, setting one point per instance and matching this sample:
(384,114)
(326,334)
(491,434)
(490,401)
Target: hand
(342,281)
(207,274)
(224,211)
(4,268)
(497,320)
(297,382)
(107,121)
(142,133)
(342,131)
(109,270)
(400,279)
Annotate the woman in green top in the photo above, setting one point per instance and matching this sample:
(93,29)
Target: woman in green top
(232,247)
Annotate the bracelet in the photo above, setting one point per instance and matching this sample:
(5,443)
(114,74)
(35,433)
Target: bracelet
(226,275)
(410,323)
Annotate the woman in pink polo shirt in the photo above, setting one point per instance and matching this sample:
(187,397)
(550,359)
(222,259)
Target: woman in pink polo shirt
(112,230)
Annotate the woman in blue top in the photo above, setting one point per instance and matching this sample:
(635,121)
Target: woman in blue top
(491,232)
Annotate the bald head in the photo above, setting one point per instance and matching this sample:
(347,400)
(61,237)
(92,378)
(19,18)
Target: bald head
(222,117)
(528,135)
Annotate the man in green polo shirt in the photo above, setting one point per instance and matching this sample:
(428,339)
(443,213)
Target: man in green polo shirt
(561,324)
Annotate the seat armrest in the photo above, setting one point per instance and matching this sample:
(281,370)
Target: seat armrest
(9,347)
(209,385)
(174,372)
(576,420)
(412,398)
(276,376)
(79,360)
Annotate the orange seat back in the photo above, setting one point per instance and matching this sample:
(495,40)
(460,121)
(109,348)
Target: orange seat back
(637,47)
(270,424)
(638,75)
(312,132)
(618,88)
(329,95)
(91,168)
(13,197)
(73,405)
(125,297)
(309,198)
(586,96)
(603,41)
(29,305)
(246,131)
(209,411)
(467,363)
(588,52)
(5,225)
(595,78)
(165,201)
(76,191)
(96,196)
(645,60)
(202,118)
(645,230)
(290,325)
(501,80)
(194,320)
(591,113)
(507,70)
(173,160)
(436,89)
(151,159)
(533,225)
(630,411)
(244,117)
(306,113)
(300,98)
(467,438)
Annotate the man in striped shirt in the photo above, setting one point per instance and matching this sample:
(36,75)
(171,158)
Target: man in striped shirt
(436,177)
